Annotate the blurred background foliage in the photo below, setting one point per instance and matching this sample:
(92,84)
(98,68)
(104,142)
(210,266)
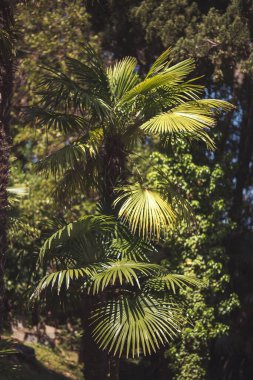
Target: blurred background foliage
(219,248)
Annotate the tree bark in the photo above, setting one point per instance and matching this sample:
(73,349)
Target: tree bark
(244,156)
(6,81)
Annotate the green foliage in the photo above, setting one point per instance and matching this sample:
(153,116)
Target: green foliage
(125,316)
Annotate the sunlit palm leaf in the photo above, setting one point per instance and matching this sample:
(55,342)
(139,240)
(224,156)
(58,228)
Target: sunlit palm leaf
(170,76)
(214,105)
(187,119)
(133,326)
(120,272)
(145,211)
(122,77)
(61,278)
(160,63)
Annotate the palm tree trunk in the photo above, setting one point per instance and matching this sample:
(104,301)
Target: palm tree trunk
(98,364)
(6,80)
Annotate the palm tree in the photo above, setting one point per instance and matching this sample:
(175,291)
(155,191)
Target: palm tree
(6,80)
(104,113)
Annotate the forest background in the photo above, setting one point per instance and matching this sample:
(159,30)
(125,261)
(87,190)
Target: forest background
(219,36)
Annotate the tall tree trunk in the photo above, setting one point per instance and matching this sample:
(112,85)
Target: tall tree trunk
(6,80)
(98,364)
(244,155)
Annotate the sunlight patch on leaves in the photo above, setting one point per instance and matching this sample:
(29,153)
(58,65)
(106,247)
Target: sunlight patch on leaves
(145,211)
(120,272)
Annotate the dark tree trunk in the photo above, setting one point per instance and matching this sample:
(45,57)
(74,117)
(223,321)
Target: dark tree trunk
(98,364)
(244,155)
(6,80)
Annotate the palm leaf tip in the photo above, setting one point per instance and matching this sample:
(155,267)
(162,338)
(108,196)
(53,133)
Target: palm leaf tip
(173,282)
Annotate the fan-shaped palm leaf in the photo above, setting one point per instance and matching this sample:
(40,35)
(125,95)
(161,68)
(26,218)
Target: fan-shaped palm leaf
(141,324)
(145,211)
(87,226)
(68,157)
(58,90)
(122,77)
(91,75)
(121,271)
(171,76)
(186,121)
(67,123)
(62,278)
(191,118)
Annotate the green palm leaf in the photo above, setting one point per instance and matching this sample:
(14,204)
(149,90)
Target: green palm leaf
(58,90)
(121,271)
(87,226)
(68,157)
(191,118)
(172,282)
(67,123)
(131,326)
(90,74)
(131,248)
(145,211)
(160,63)
(122,77)
(182,120)
(61,278)
(170,76)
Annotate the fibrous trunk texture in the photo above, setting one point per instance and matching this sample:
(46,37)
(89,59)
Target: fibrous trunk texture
(6,80)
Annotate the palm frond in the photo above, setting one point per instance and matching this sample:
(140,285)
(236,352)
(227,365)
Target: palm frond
(135,325)
(186,119)
(90,75)
(214,105)
(172,282)
(145,211)
(87,226)
(121,271)
(73,181)
(160,63)
(131,248)
(181,69)
(180,204)
(68,157)
(66,123)
(94,61)
(61,278)
(122,77)
(58,90)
